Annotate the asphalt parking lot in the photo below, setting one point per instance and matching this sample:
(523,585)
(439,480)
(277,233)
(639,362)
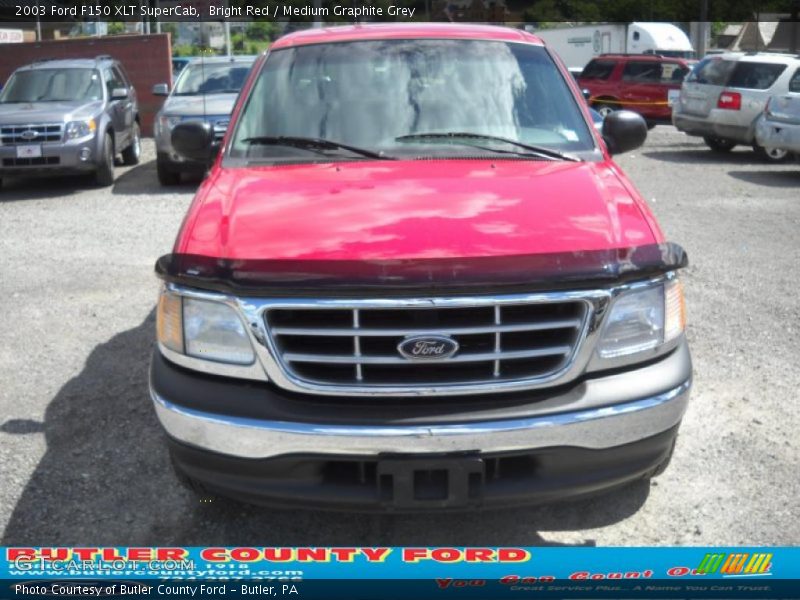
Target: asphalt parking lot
(82,459)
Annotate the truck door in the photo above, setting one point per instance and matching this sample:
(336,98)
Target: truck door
(644,90)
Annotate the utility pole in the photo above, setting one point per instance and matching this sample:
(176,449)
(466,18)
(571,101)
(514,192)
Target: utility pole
(227,25)
(794,40)
(38,24)
(317,6)
(704,27)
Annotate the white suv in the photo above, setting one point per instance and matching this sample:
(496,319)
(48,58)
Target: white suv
(724,95)
(779,126)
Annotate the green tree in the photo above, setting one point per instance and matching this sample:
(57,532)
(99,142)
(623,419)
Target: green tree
(116,27)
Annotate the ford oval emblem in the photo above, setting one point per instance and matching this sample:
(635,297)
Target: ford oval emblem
(29,134)
(427,347)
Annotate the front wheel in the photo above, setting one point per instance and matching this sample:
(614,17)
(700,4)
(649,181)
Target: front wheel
(132,154)
(104,176)
(775,155)
(719,144)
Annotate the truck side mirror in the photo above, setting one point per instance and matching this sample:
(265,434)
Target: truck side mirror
(194,140)
(624,130)
(161,89)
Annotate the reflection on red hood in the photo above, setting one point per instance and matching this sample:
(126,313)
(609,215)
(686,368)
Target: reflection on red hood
(415,209)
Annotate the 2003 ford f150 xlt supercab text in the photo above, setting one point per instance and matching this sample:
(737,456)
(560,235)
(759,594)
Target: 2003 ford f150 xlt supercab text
(415,279)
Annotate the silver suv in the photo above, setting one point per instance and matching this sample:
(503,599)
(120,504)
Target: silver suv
(206,90)
(725,94)
(68,116)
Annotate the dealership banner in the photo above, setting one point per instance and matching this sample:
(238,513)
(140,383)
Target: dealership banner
(391,572)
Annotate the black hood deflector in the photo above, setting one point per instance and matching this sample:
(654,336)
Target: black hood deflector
(471,275)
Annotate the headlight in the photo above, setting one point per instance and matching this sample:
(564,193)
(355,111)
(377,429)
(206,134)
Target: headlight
(203,329)
(643,320)
(80,129)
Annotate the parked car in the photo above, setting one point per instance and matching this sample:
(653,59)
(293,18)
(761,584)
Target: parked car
(725,94)
(68,116)
(644,83)
(415,279)
(206,89)
(778,127)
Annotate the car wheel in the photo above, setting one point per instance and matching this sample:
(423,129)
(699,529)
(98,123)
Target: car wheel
(719,144)
(650,124)
(131,154)
(105,172)
(167,176)
(603,109)
(771,154)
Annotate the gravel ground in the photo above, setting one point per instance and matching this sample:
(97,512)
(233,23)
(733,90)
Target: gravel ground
(82,460)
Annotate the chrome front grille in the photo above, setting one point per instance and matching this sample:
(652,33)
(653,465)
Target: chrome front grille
(11,135)
(358,346)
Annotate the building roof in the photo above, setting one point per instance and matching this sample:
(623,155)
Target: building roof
(385,31)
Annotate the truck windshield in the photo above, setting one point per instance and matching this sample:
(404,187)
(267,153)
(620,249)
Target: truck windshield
(53,85)
(214,78)
(410,97)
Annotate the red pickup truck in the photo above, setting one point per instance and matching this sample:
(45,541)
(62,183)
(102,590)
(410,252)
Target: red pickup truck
(415,279)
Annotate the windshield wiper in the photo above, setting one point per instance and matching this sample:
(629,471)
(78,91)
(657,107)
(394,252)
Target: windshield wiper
(318,145)
(540,150)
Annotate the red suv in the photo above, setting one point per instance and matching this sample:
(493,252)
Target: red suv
(415,279)
(644,83)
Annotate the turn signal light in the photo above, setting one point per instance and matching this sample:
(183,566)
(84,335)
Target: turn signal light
(169,321)
(730,101)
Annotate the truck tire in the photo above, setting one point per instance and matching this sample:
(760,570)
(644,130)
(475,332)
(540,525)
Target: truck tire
(104,176)
(719,144)
(166,176)
(773,155)
(132,154)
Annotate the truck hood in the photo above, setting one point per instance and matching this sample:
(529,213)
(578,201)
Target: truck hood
(190,106)
(415,210)
(25,113)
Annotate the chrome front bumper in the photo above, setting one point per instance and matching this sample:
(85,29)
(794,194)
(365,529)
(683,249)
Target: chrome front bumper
(593,428)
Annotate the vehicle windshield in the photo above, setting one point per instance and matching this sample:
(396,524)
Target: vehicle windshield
(410,97)
(53,85)
(211,78)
